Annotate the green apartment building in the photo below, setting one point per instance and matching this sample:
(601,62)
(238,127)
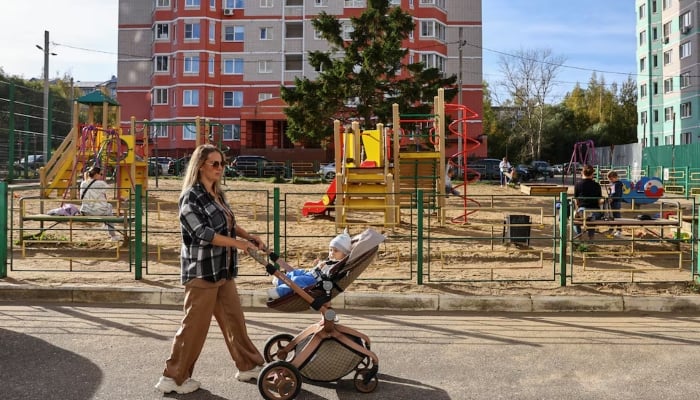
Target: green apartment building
(668,72)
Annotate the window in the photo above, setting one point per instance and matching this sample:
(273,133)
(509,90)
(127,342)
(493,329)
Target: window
(161,64)
(642,37)
(685,21)
(667,31)
(189,132)
(233,99)
(162,31)
(295,3)
(432,29)
(266,4)
(264,96)
(190,97)
(668,114)
(686,110)
(656,115)
(159,131)
(655,88)
(685,50)
(265,66)
(192,31)
(234,33)
(191,65)
(293,62)
(668,85)
(643,90)
(294,30)
(667,56)
(347,32)
(233,66)
(642,64)
(355,3)
(191,3)
(266,33)
(212,32)
(320,3)
(437,3)
(240,4)
(211,65)
(668,140)
(210,98)
(212,4)
(655,61)
(653,6)
(685,79)
(317,35)
(654,34)
(643,117)
(160,96)
(162,3)
(232,132)
(642,11)
(432,60)
(686,138)
(666,4)
(395,2)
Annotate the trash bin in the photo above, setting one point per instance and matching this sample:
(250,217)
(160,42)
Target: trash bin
(516,229)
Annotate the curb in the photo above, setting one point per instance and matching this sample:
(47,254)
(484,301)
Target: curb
(371,301)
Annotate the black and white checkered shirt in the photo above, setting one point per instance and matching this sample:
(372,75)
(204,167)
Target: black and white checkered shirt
(200,218)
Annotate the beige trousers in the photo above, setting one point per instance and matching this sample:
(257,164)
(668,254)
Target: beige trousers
(202,300)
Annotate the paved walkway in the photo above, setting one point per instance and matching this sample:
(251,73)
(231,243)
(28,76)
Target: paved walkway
(367,301)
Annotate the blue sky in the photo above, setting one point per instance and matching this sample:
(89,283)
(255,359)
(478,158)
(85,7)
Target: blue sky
(591,34)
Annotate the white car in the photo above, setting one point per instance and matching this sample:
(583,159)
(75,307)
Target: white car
(327,171)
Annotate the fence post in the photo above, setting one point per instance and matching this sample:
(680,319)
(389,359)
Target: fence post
(419,242)
(276,220)
(563,220)
(138,236)
(3,229)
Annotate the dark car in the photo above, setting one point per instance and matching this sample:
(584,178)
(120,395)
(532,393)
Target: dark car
(178,166)
(31,162)
(525,172)
(259,166)
(543,169)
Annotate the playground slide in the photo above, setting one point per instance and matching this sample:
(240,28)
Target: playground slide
(320,207)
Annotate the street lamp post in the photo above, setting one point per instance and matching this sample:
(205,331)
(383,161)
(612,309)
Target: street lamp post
(47,52)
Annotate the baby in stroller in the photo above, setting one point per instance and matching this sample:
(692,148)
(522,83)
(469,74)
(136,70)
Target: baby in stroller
(338,248)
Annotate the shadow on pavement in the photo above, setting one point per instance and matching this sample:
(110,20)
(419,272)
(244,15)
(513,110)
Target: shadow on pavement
(31,368)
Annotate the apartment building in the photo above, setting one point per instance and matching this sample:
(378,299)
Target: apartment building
(225,60)
(668,82)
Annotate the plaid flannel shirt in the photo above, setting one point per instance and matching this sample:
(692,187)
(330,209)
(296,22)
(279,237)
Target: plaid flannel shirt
(200,219)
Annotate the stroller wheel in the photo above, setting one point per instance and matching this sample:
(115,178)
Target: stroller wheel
(279,380)
(274,348)
(366,380)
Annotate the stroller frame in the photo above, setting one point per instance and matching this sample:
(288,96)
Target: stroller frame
(308,354)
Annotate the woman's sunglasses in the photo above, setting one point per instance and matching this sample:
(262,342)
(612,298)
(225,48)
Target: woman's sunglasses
(215,164)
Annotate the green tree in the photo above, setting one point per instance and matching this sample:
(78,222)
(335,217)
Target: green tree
(361,77)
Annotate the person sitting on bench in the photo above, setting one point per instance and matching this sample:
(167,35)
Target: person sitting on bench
(93,193)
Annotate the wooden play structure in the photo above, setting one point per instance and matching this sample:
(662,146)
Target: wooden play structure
(94,144)
(381,170)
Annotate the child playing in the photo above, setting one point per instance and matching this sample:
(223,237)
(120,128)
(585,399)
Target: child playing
(449,190)
(615,199)
(338,249)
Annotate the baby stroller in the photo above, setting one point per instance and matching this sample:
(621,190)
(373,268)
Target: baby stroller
(325,351)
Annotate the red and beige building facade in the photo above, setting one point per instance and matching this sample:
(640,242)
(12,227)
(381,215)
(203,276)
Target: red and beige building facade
(225,60)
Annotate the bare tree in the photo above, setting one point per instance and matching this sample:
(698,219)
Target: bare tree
(529,78)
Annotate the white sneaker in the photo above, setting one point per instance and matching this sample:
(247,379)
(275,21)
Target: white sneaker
(617,233)
(167,385)
(272,293)
(245,376)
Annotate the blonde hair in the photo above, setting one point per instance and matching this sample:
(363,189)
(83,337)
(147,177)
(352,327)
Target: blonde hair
(199,156)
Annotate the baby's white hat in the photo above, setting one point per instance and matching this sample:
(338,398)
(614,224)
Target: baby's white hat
(342,242)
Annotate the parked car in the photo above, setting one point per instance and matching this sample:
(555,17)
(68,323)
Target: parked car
(572,168)
(259,166)
(327,171)
(164,163)
(543,169)
(178,166)
(558,169)
(486,167)
(31,162)
(525,172)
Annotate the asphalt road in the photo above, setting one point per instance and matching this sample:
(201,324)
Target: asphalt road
(56,351)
